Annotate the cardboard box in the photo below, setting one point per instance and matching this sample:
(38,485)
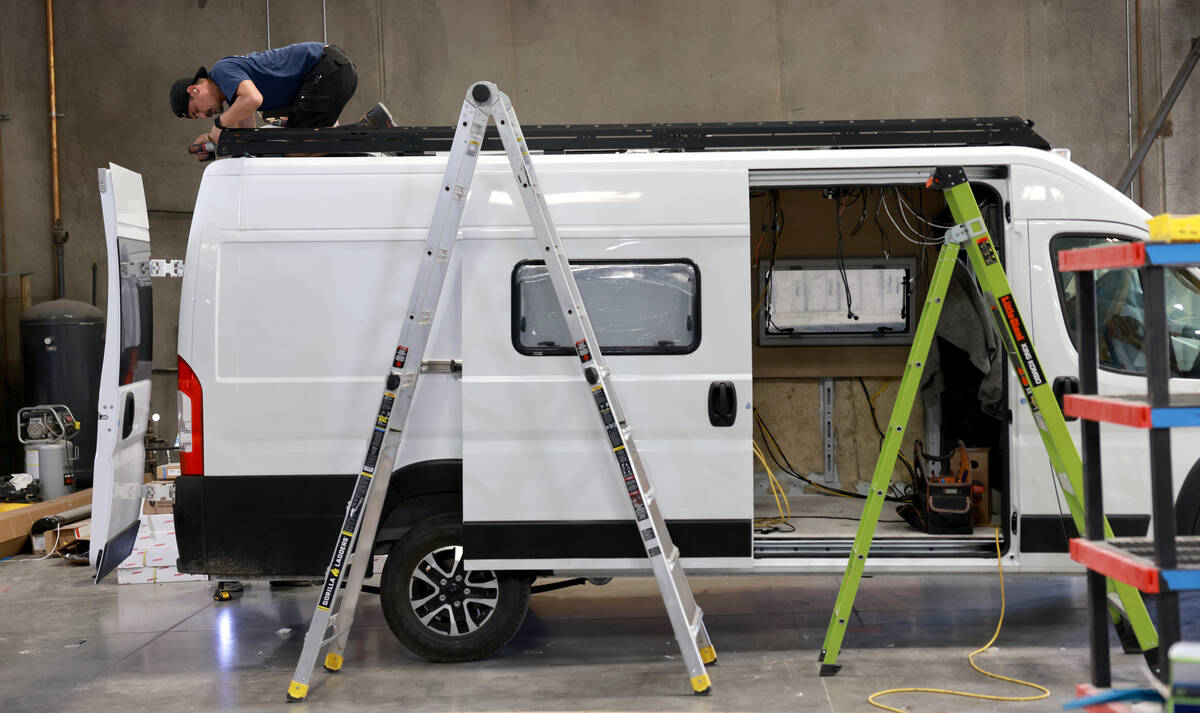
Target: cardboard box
(981,512)
(152,508)
(66,535)
(15,524)
(169,471)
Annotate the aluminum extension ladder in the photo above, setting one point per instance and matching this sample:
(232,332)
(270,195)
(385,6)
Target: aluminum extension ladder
(334,613)
(970,232)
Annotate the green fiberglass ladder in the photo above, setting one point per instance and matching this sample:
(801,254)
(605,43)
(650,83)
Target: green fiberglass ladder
(338,597)
(971,232)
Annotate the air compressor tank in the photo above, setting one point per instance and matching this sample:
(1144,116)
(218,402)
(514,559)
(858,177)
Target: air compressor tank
(62,350)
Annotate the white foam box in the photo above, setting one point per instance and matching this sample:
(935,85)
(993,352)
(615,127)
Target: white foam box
(135,575)
(155,531)
(154,557)
(154,544)
(156,575)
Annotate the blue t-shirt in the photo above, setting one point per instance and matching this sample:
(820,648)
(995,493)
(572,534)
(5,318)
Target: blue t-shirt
(277,73)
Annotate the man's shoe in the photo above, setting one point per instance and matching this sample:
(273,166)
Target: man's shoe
(378,117)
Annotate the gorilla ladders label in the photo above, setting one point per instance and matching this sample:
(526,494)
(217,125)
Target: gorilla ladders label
(335,570)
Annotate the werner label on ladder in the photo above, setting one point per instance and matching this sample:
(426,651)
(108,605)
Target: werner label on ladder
(334,614)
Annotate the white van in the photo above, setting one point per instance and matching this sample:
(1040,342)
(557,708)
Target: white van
(298,271)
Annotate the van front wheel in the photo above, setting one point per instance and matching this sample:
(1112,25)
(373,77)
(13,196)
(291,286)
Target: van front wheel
(440,610)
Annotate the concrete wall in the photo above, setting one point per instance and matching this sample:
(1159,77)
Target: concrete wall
(1061,63)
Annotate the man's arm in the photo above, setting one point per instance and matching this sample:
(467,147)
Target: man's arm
(240,114)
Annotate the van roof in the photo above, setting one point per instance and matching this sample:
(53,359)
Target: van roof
(607,138)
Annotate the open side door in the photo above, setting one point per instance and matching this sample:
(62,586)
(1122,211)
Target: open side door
(124,402)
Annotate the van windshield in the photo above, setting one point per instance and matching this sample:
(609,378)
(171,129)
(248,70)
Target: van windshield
(1120,312)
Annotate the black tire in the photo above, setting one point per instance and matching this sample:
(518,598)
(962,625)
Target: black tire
(460,623)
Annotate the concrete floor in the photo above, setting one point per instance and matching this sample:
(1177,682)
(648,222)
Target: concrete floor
(66,645)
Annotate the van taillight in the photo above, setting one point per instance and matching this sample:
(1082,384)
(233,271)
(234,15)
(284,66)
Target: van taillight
(191,421)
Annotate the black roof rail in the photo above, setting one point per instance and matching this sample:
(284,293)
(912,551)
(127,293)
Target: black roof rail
(602,138)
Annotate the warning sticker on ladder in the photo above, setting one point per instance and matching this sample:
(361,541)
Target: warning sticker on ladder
(585,355)
(985,249)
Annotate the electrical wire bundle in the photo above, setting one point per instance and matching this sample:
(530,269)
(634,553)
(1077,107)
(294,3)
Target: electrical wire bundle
(772,224)
(776,454)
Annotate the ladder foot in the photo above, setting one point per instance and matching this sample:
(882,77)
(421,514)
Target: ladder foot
(701,685)
(830,669)
(297,691)
(708,655)
(226,591)
(333,663)
(821,656)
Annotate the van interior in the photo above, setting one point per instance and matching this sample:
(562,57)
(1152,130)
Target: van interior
(840,278)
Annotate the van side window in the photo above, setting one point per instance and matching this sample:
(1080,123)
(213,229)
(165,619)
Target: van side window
(636,307)
(1120,327)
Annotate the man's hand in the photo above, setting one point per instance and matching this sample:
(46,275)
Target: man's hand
(201,140)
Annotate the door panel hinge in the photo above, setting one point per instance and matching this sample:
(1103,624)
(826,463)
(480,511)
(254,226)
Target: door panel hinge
(161,268)
(159,491)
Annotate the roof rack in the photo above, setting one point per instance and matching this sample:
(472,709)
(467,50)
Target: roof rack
(607,138)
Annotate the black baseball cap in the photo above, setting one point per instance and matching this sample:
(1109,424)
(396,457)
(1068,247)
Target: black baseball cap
(179,95)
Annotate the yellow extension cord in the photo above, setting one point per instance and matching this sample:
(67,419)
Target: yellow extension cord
(781,501)
(785,513)
(1045,692)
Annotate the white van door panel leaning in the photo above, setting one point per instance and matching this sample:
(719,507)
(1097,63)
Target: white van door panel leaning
(533,449)
(124,400)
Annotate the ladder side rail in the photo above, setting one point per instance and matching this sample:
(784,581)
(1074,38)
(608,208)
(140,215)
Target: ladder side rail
(1039,394)
(396,401)
(557,265)
(570,300)
(565,287)
(364,550)
(685,616)
(886,463)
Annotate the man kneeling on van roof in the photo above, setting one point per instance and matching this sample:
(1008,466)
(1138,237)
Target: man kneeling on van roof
(309,83)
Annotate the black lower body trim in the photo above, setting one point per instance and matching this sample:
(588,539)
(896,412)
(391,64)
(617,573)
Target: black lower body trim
(602,539)
(1049,533)
(259,526)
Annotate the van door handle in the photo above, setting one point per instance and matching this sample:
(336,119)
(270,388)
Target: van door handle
(722,403)
(1062,386)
